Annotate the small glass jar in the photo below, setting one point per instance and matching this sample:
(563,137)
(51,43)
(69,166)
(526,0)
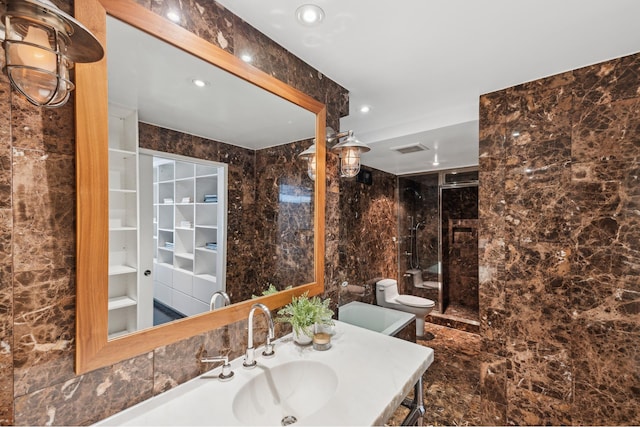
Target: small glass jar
(321,341)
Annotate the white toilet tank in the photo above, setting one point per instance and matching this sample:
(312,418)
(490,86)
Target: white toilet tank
(386,289)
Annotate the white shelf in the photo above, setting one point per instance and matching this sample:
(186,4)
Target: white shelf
(193,267)
(209,227)
(185,255)
(124,152)
(121,302)
(115,270)
(123,228)
(122,190)
(212,251)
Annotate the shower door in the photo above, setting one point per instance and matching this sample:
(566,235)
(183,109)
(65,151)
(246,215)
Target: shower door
(458,248)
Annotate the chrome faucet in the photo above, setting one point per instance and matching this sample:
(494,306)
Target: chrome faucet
(225,299)
(226,373)
(249,358)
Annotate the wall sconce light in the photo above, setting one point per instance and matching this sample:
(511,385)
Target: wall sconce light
(310,156)
(349,151)
(41,43)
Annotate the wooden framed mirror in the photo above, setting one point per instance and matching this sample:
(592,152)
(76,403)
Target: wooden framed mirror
(94,349)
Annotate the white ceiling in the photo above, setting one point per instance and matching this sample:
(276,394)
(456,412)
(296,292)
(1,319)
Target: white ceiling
(155,79)
(421,65)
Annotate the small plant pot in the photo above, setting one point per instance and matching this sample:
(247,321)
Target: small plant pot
(302,339)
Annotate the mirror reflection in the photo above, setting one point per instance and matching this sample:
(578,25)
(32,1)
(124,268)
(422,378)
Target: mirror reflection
(206,191)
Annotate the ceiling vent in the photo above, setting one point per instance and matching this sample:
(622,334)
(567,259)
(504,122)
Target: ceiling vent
(411,148)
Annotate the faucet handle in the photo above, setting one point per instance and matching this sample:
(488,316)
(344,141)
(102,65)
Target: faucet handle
(226,373)
(250,358)
(269,349)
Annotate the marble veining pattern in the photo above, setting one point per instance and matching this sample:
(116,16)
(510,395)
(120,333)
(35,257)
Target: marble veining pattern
(37,214)
(367,255)
(558,248)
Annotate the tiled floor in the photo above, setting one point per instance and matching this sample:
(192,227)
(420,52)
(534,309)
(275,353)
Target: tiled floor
(451,384)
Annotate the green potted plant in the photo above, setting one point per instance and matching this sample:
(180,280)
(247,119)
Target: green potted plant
(303,313)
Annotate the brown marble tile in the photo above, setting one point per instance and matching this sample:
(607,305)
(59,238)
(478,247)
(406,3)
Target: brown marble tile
(44,313)
(451,384)
(6,320)
(170,141)
(43,210)
(365,255)
(528,408)
(285,227)
(408,333)
(568,328)
(493,379)
(89,398)
(494,331)
(606,132)
(608,81)
(606,356)
(47,129)
(177,363)
(207,19)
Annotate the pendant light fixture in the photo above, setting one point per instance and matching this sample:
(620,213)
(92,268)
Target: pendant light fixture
(41,44)
(349,151)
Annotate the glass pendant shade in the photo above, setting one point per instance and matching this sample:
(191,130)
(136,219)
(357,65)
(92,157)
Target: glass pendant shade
(34,64)
(310,156)
(39,50)
(350,162)
(350,150)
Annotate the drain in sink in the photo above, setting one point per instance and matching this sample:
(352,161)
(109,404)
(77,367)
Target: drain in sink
(288,420)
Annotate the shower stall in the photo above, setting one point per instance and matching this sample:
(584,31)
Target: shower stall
(438,250)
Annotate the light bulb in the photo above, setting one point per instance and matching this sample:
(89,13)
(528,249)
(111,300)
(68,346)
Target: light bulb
(351,156)
(38,57)
(350,162)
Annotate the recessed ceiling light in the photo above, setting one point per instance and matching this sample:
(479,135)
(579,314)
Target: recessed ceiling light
(365,109)
(199,82)
(435,160)
(309,15)
(174,16)
(246,57)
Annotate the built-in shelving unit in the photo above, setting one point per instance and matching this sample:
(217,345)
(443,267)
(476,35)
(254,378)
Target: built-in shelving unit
(189,199)
(127,310)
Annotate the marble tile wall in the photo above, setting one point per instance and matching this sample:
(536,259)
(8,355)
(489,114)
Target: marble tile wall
(559,261)
(367,255)
(37,263)
(284,213)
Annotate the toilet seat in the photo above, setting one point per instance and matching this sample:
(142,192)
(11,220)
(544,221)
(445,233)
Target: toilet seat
(414,301)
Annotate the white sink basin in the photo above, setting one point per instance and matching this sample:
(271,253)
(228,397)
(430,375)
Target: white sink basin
(285,393)
(359,381)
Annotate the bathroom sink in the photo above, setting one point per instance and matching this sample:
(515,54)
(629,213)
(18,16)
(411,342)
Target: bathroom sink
(284,394)
(337,387)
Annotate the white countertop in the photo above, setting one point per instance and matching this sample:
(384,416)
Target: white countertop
(375,372)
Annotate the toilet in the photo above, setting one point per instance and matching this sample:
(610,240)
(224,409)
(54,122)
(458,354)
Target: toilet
(387,296)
